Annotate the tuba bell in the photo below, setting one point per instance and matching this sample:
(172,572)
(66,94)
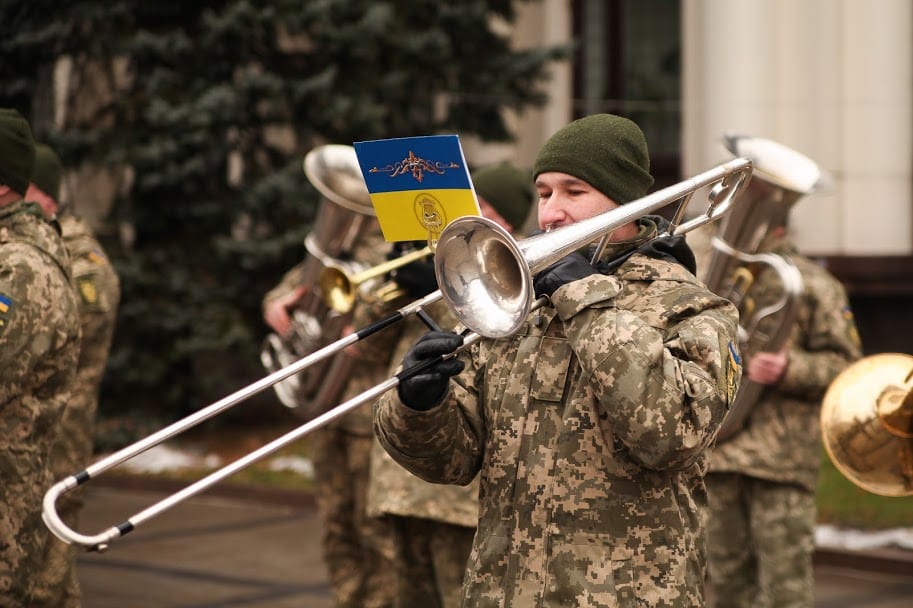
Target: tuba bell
(867,423)
(781,177)
(343,219)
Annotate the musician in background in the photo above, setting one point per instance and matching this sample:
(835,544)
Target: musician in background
(589,427)
(762,480)
(39,351)
(433,525)
(98,294)
(356,548)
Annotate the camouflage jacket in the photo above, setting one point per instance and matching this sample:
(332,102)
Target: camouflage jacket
(39,347)
(392,490)
(781,438)
(98,295)
(362,365)
(589,429)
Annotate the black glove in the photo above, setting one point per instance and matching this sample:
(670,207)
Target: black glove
(426,389)
(418,278)
(569,268)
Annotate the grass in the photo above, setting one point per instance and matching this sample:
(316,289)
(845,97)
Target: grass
(231,442)
(842,503)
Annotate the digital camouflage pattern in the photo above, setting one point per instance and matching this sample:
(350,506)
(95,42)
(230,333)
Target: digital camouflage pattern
(432,524)
(772,463)
(396,491)
(761,538)
(356,548)
(98,296)
(590,429)
(39,349)
(431,559)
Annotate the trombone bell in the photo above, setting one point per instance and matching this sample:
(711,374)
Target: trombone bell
(478,268)
(867,423)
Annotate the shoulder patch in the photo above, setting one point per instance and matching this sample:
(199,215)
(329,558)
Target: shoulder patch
(97,258)
(851,327)
(87,290)
(6,303)
(735,372)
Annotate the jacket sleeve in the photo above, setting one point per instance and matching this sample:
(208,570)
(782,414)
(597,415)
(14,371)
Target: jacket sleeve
(664,388)
(441,445)
(824,341)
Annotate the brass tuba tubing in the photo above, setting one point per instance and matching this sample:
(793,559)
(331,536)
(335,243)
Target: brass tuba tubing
(786,305)
(338,287)
(99,541)
(485,275)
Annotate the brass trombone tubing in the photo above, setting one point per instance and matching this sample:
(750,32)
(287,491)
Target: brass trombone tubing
(338,286)
(99,541)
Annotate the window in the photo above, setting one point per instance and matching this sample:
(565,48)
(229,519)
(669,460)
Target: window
(628,63)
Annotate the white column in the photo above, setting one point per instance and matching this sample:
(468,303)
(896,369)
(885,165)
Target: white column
(832,79)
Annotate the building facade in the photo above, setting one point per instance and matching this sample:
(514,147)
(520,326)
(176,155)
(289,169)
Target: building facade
(831,78)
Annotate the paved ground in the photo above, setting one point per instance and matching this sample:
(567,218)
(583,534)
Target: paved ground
(231,551)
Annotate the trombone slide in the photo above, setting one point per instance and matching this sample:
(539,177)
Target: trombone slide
(100,541)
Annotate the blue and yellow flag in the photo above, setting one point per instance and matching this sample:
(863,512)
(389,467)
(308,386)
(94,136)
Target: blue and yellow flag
(417,184)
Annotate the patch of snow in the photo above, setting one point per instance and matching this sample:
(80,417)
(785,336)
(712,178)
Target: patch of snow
(296,464)
(856,540)
(160,458)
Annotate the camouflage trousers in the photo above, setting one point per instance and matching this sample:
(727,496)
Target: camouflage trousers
(56,585)
(356,548)
(761,538)
(23,536)
(431,561)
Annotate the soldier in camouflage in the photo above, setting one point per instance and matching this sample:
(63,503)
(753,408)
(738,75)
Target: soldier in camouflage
(433,525)
(356,548)
(762,481)
(39,349)
(98,294)
(590,427)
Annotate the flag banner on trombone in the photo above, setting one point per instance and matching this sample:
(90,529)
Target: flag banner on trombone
(417,184)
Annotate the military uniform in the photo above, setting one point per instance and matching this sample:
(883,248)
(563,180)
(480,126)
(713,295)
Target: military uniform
(356,548)
(589,430)
(432,525)
(98,295)
(39,348)
(763,480)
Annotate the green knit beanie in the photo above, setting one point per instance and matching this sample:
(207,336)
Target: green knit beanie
(48,170)
(606,151)
(506,188)
(17,151)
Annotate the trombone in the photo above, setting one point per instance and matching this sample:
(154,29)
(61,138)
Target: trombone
(474,256)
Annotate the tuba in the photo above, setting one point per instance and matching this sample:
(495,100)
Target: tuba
(781,177)
(345,216)
(867,423)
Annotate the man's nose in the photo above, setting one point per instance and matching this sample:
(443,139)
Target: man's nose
(552,211)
